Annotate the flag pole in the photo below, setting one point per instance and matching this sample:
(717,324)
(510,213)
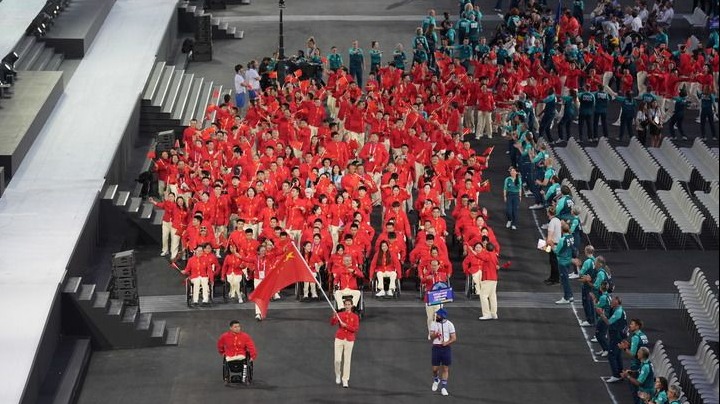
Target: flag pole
(317,282)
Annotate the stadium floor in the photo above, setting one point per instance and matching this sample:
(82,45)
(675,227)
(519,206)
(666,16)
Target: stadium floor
(529,355)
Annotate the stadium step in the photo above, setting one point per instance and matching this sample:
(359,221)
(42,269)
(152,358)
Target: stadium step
(163,86)
(181,99)
(171,97)
(203,101)
(122,198)
(55,62)
(135,203)
(43,60)
(193,101)
(187,19)
(112,323)
(24,47)
(32,55)
(151,87)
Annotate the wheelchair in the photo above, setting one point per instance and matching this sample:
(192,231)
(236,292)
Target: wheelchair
(386,287)
(189,293)
(238,371)
(322,279)
(470,291)
(360,307)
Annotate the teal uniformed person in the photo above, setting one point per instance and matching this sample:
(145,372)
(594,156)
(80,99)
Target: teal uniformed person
(482,48)
(678,115)
(660,396)
(707,100)
(673,394)
(462,27)
(565,204)
(569,114)
(644,382)
(334,59)
(420,47)
(512,194)
(638,339)
(357,63)
(464,53)
(564,252)
(375,57)
(602,308)
(628,110)
(451,36)
(602,99)
(587,273)
(616,326)
(587,107)
(399,57)
(548,115)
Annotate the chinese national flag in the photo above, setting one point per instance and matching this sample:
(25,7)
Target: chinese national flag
(484,186)
(288,269)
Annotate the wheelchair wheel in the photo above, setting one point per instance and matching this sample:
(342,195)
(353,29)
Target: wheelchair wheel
(248,377)
(468,287)
(361,306)
(188,293)
(398,286)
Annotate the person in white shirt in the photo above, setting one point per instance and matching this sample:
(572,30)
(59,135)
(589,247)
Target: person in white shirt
(554,231)
(240,87)
(666,15)
(442,334)
(252,79)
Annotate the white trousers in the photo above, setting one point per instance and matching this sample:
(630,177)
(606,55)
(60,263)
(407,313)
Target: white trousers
(167,231)
(485,124)
(392,275)
(477,279)
(310,287)
(343,358)
(198,283)
(234,282)
(345,292)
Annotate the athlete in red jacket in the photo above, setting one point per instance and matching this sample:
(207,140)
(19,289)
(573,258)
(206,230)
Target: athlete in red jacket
(348,325)
(235,344)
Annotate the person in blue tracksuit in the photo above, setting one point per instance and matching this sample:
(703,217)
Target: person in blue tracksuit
(628,110)
(678,115)
(602,99)
(587,107)
(548,115)
(512,194)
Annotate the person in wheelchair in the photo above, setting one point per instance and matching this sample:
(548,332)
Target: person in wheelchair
(473,265)
(197,271)
(235,346)
(430,277)
(346,281)
(385,265)
(233,269)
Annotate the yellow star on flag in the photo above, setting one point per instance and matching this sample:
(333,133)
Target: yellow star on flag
(289,256)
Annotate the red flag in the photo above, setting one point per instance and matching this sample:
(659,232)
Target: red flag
(506,265)
(272,75)
(304,85)
(177,144)
(289,268)
(488,151)
(297,73)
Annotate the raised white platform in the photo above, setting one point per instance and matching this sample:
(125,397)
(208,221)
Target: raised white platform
(43,210)
(15,17)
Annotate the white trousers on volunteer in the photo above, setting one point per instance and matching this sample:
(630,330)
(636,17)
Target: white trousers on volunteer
(343,358)
(484,125)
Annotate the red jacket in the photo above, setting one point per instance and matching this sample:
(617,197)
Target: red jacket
(346,278)
(234,344)
(196,268)
(352,324)
(473,263)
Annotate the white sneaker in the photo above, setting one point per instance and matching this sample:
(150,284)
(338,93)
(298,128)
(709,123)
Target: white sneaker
(507,225)
(337,380)
(604,354)
(585,323)
(380,293)
(563,301)
(544,227)
(444,392)
(513,227)
(435,385)
(528,194)
(573,276)
(593,339)
(345,384)
(612,379)
(240,299)
(483,318)
(600,352)
(258,317)
(537,206)
(164,253)
(494,316)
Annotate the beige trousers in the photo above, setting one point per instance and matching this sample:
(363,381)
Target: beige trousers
(198,283)
(167,231)
(234,282)
(477,280)
(387,274)
(485,124)
(346,292)
(488,298)
(343,358)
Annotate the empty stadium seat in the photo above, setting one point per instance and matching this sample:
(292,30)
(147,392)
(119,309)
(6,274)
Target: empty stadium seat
(608,162)
(608,211)
(577,163)
(684,213)
(640,162)
(703,159)
(649,218)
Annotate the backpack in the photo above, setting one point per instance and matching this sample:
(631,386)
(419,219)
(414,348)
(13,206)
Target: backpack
(609,280)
